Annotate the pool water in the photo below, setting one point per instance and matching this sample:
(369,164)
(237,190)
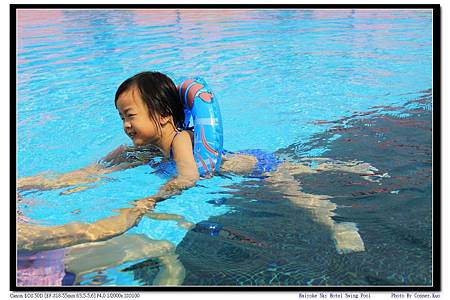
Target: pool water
(341,84)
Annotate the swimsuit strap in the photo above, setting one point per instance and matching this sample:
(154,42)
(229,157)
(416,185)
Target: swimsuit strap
(171,144)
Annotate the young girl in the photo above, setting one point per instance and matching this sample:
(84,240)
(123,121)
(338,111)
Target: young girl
(153,116)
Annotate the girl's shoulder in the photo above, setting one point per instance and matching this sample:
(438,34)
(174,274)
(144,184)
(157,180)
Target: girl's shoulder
(184,156)
(184,136)
(182,144)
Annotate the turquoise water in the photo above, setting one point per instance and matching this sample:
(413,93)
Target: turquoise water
(282,77)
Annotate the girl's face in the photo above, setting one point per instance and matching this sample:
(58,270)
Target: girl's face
(137,122)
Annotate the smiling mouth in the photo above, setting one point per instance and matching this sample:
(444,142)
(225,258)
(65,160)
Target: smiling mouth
(131,135)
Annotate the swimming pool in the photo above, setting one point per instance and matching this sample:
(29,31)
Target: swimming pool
(299,83)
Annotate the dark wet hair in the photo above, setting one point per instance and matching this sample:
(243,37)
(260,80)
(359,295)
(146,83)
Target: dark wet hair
(158,92)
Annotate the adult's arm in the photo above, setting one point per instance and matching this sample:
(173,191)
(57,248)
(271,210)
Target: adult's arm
(32,237)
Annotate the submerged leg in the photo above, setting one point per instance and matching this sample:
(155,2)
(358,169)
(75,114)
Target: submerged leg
(172,271)
(363,169)
(345,235)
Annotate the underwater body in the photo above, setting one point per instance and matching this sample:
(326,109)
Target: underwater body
(341,85)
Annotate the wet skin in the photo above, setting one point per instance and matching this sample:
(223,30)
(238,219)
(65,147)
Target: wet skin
(346,236)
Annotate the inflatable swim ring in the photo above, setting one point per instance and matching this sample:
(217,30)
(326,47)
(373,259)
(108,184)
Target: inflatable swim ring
(202,107)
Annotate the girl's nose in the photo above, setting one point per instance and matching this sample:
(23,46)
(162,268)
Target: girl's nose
(126,125)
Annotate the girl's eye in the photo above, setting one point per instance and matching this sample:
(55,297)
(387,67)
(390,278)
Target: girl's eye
(127,116)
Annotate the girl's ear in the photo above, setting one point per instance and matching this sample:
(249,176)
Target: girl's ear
(164,120)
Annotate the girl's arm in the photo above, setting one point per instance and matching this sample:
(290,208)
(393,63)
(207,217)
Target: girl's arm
(36,238)
(123,157)
(187,172)
(33,237)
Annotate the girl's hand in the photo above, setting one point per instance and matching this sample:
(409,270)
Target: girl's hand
(125,157)
(114,157)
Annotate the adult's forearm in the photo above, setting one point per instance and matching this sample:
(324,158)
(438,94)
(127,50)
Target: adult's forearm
(37,238)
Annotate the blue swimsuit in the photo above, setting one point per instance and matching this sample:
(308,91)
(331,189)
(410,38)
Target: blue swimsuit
(266,162)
